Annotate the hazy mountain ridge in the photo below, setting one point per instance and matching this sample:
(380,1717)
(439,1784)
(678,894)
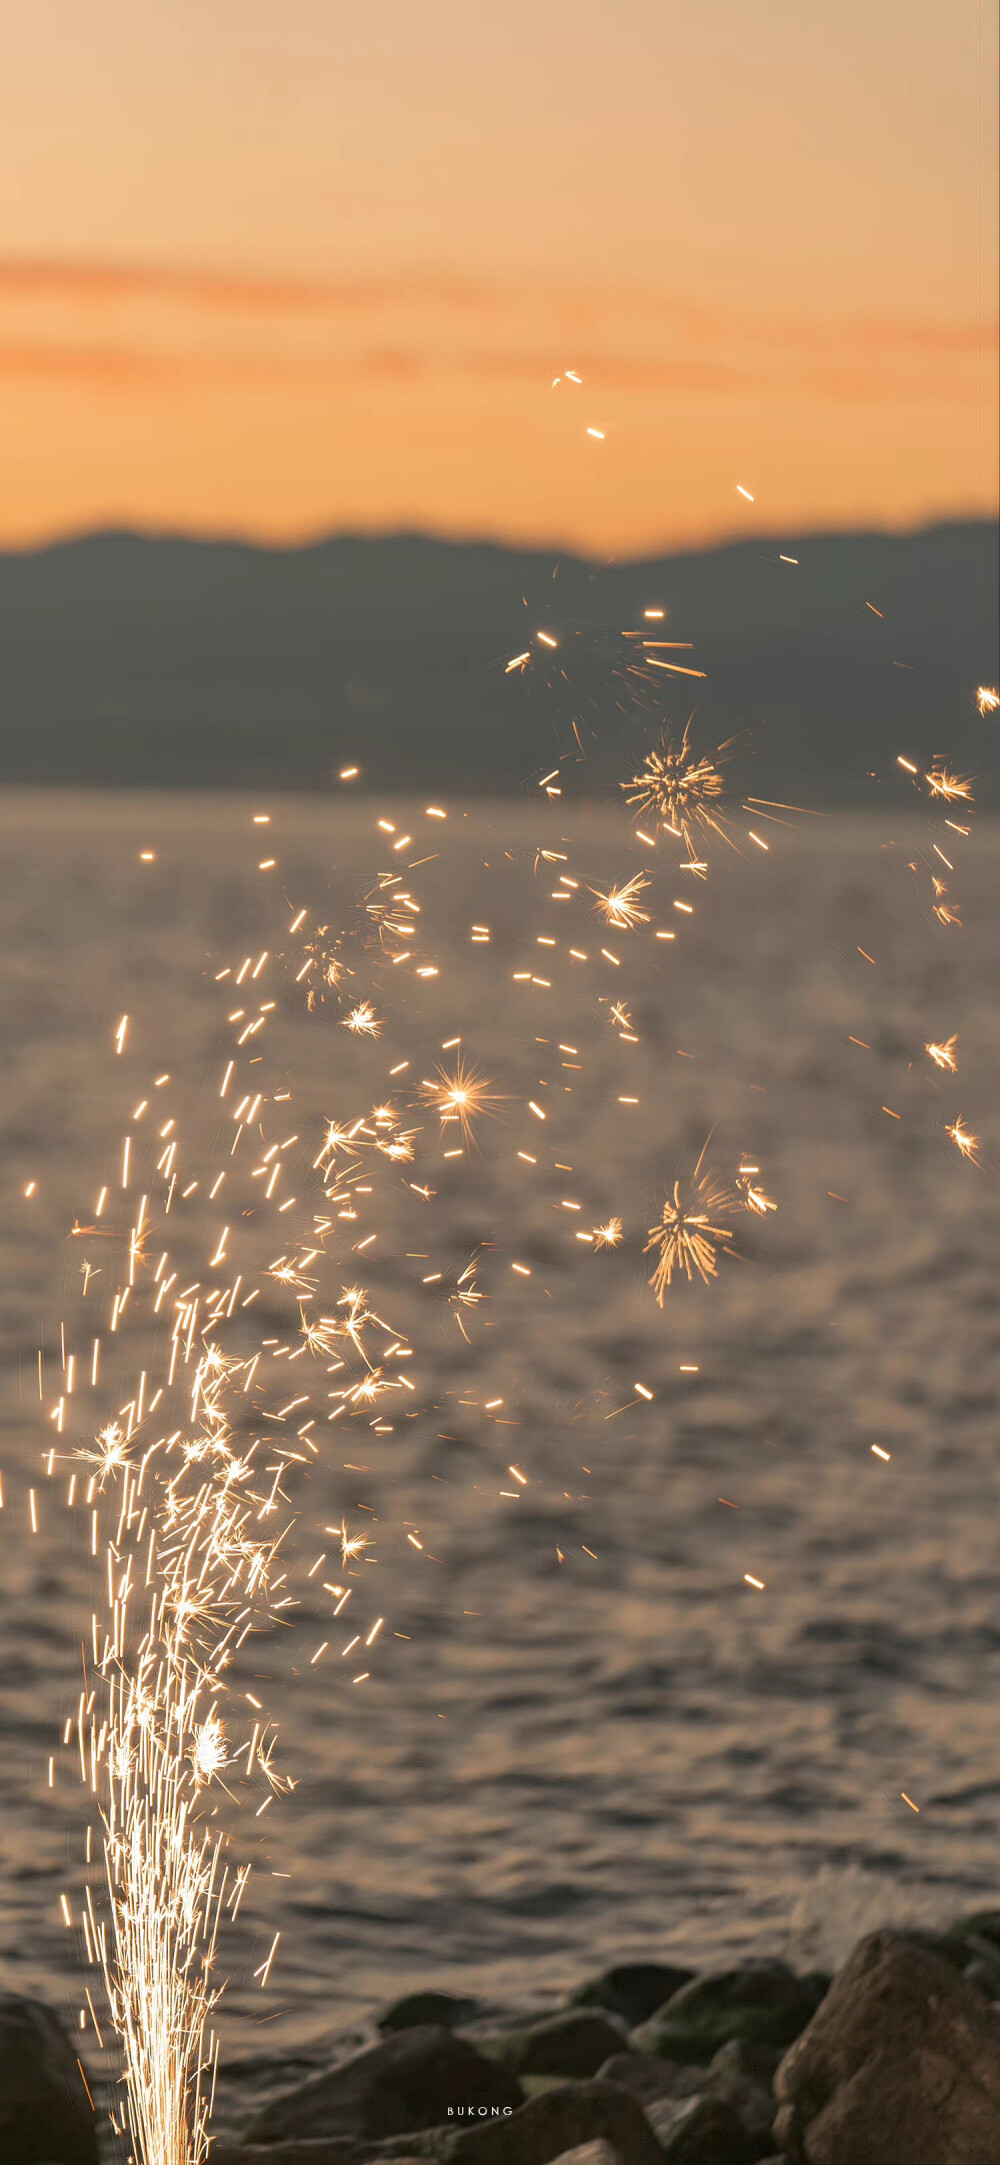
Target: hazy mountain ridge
(143,660)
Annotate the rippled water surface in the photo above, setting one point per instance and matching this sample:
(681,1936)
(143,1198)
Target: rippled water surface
(583,1735)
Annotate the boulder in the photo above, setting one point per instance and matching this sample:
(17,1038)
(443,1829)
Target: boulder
(970,1953)
(574,2044)
(46,2116)
(339,2150)
(743,2076)
(415,2008)
(901,2062)
(746,2124)
(701,2131)
(738,2061)
(642,2076)
(983,1924)
(761,2003)
(633,1990)
(564,2119)
(409,2081)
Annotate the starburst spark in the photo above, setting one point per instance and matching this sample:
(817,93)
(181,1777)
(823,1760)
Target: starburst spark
(964,1142)
(944,1055)
(946,912)
(460,1097)
(685,1238)
(954,788)
(351,1544)
(112,1452)
(987,699)
(209,1751)
(619,906)
(608,1235)
(755,1197)
(363,1020)
(684,792)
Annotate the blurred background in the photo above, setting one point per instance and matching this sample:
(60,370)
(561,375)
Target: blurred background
(282,285)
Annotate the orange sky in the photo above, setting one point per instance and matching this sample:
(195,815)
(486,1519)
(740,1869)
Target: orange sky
(283,268)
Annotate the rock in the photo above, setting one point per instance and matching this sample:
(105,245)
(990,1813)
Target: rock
(901,2062)
(564,2119)
(739,2061)
(761,2003)
(408,2081)
(702,2131)
(641,2075)
(983,1924)
(45,2113)
(749,2093)
(970,1953)
(633,1990)
(339,2150)
(414,2149)
(415,2008)
(574,2044)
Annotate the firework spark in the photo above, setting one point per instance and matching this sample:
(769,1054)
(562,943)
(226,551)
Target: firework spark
(190,1578)
(684,792)
(685,1238)
(755,1197)
(954,788)
(351,1544)
(619,906)
(609,1235)
(363,1020)
(944,1055)
(460,1097)
(964,1142)
(987,699)
(946,912)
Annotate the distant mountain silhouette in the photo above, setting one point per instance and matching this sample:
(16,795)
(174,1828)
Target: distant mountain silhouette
(130,659)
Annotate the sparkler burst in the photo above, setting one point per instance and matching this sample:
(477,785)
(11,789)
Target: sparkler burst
(363,1020)
(685,1238)
(619,905)
(351,1544)
(954,788)
(608,1235)
(964,1142)
(190,1577)
(684,792)
(987,699)
(459,1098)
(754,1194)
(944,1055)
(946,912)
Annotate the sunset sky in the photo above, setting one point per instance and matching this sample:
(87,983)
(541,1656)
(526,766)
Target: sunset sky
(295,266)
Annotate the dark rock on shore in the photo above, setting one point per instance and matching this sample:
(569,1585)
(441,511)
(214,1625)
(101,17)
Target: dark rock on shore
(901,2062)
(633,1990)
(563,2119)
(644,2077)
(574,2044)
(409,2081)
(897,2062)
(983,1924)
(45,2112)
(443,2008)
(975,1957)
(739,2132)
(702,2130)
(762,2003)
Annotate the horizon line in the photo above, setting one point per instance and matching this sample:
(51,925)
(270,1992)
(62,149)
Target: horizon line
(318,537)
